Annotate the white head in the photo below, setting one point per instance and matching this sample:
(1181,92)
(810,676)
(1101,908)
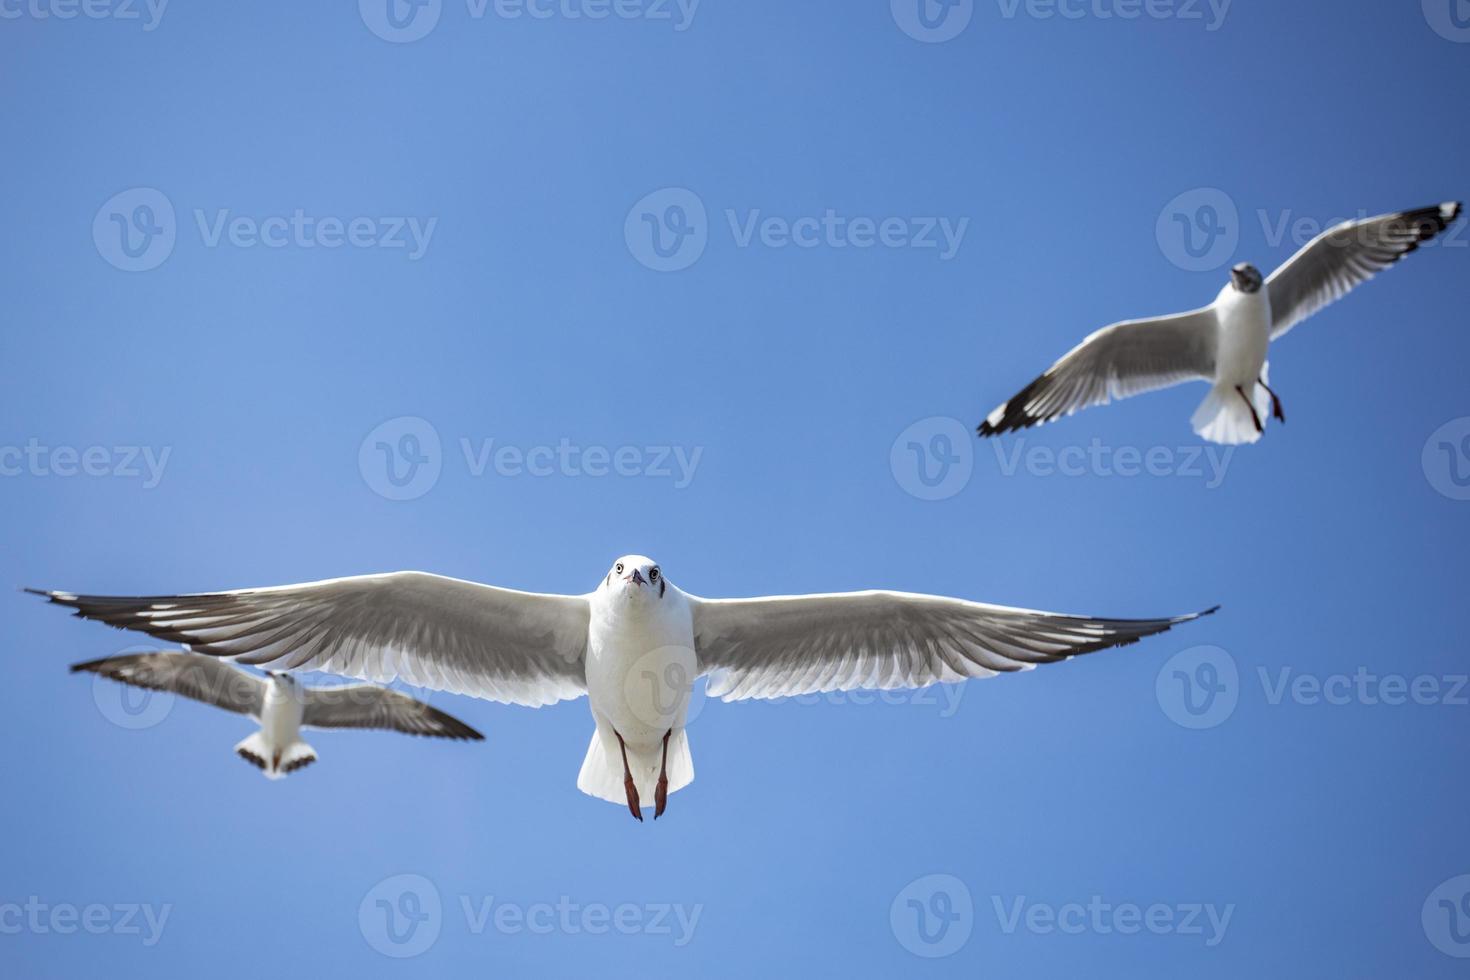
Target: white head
(636,578)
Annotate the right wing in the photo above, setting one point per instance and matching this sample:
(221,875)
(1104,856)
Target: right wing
(1119,361)
(191,675)
(442,633)
(371,706)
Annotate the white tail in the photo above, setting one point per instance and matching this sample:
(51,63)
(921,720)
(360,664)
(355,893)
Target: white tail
(274,763)
(1224,417)
(602,769)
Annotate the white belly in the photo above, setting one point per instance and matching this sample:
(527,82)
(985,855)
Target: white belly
(641,669)
(280,716)
(1245,334)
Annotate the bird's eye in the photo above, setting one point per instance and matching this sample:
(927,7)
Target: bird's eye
(653,575)
(618,568)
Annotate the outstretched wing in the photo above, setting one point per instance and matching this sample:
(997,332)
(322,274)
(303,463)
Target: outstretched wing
(790,645)
(371,706)
(190,675)
(1346,256)
(1119,361)
(435,632)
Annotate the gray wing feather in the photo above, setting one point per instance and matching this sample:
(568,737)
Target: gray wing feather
(784,646)
(1346,256)
(190,675)
(435,632)
(1118,361)
(371,706)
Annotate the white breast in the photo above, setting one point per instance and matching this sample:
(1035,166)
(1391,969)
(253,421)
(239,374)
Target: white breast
(1244,334)
(640,664)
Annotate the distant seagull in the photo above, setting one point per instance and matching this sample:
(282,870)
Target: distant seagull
(1223,343)
(634,645)
(281,705)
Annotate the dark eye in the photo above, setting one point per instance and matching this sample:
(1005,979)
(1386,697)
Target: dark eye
(653,575)
(618,568)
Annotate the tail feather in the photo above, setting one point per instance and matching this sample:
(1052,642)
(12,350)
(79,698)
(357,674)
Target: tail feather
(602,769)
(1224,416)
(272,762)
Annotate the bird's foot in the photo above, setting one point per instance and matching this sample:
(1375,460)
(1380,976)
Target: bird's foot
(1276,410)
(634,807)
(661,791)
(1255,417)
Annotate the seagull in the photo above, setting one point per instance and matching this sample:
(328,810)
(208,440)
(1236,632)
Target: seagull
(279,703)
(634,645)
(1224,343)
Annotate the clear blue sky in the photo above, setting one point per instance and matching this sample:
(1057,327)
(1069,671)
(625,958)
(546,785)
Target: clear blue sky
(528,313)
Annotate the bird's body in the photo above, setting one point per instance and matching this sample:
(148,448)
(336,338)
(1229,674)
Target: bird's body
(279,703)
(1225,343)
(634,645)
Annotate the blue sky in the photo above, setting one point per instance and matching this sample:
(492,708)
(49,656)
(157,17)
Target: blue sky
(871,232)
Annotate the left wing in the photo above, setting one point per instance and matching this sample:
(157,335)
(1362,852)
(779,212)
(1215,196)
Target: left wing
(783,646)
(371,706)
(1346,256)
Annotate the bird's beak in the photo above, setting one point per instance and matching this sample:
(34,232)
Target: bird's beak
(636,578)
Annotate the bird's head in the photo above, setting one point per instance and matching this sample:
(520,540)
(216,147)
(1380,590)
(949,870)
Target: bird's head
(637,578)
(1246,278)
(281,677)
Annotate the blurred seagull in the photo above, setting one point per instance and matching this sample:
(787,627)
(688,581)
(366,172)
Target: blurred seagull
(1223,343)
(634,645)
(281,705)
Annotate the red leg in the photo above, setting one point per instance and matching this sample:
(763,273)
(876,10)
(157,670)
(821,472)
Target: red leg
(1276,410)
(661,792)
(628,785)
(1249,404)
